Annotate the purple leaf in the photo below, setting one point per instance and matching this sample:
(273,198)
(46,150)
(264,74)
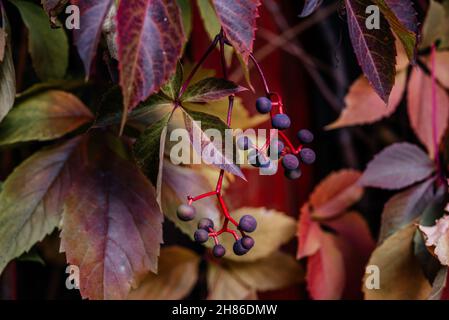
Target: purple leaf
(309,7)
(375,49)
(404,11)
(86,38)
(397,166)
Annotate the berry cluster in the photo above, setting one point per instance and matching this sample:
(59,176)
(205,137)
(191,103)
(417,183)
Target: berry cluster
(285,150)
(247,224)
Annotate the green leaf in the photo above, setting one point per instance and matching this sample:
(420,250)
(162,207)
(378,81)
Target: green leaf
(7,73)
(186,14)
(48,47)
(46,116)
(178,273)
(32,198)
(210,89)
(172,87)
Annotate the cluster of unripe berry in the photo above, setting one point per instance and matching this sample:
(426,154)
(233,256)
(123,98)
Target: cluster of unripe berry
(247,224)
(290,160)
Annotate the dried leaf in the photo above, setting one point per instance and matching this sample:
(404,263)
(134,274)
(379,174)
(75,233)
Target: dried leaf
(222,285)
(419,105)
(397,166)
(46,116)
(178,273)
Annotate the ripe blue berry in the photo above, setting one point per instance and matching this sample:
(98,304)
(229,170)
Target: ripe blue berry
(186,212)
(247,242)
(218,251)
(238,248)
(307,156)
(293,174)
(263,105)
(244,143)
(290,162)
(258,160)
(281,121)
(305,136)
(201,235)
(247,223)
(263,161)
(275,143)
(206,224)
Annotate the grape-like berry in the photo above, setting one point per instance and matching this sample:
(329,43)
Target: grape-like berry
(305,136)
(238,248)
(263,105)
(293,174)
(280,121)
(257,159)
(276,143)
(244,143)
(218,251)
(307,156)
(290,162)
(206,224)
(247,223)
(247,242)
(201,235)
(186,212)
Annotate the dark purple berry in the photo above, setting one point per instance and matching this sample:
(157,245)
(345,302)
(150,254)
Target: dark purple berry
(276,144)
(247,242)
(244,143)
(247,223)
(263,161)
(218,251)
(305,136)
(281,121)
(186,212)
(252,157)
(201,235)
(206,224)
(263,105)
(293,174)
(238,248)
(290,162)
(307,156)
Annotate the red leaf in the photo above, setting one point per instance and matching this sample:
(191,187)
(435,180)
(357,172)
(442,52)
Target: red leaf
(238,19)
(309,233)
(375,49)
(420,109)
(150,40)
(86,38)
(112,227)
(309,7)
(397,166)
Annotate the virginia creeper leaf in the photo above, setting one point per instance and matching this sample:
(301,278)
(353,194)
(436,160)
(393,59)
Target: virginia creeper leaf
(87,37)
(3,36)
(112,226)
(401,277)
(309,7)
(49,48)
(53,8)
(173,86)
(222,285)
(441,67)
(46,116)
(397,166)
(375,48)
(31,201)
(238,20)
(440,289)
(7,73)
(186,14)
(420,112)
(148,48)
(437,237)
(178,273)
(210,89)
(436,25)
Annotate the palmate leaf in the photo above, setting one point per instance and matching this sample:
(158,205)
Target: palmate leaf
(7,73)
(48,47)
(46,116)
(32,198)
(112,225)
(374,49)
(210,89)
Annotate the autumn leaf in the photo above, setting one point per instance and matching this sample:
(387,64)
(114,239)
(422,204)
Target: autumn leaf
(112,225)
(178,274)
(148,48)
(436,25)
(419,106)
(49,48)
(309,7)
(46,116)
(238,20)
(7,73)
(401,277)
(87,37)
(210,89)
(437,238)
(440,286)
(397,166)
(441,67)
(53,8)
(222,285)
(187,16)
(31,201)
(375,49)
(3,37)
